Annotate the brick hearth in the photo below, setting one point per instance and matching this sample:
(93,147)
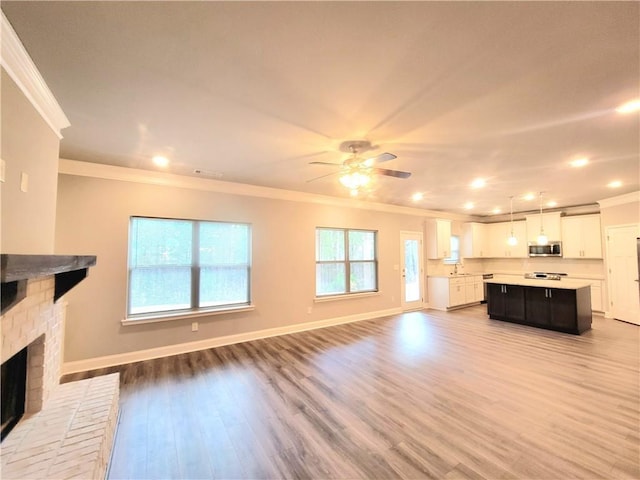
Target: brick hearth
(67,430)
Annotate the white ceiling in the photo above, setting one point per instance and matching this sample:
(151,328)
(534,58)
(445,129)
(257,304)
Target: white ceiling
(506,91)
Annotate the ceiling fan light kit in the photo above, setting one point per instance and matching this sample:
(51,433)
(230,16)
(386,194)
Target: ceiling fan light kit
(356,171)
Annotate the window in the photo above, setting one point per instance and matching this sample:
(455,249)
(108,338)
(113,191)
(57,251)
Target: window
(346,261)
(177,265)
(455,250)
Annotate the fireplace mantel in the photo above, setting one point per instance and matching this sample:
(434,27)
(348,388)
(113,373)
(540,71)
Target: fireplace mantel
(69,270)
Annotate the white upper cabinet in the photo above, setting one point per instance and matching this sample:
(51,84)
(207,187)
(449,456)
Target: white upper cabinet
(475,241)
(550,222)
(581,237)
(498,236)
(521,249)
(438,238)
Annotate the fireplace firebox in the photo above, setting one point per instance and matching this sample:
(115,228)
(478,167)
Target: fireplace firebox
(14,385)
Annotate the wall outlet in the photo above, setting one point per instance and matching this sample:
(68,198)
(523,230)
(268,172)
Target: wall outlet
(194,326)
(309,309)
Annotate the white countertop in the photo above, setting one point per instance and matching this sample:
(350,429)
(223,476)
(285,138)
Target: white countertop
(571,276)
(533,282)
(464,275)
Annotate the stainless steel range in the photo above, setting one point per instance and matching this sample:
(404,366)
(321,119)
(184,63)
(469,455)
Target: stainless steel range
(545,275)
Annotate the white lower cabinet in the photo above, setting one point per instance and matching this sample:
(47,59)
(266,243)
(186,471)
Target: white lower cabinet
(596,296)
(451,292)
(456,292)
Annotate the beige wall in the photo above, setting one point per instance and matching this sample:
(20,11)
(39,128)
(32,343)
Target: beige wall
(93,216)
(28,145)
(623,214)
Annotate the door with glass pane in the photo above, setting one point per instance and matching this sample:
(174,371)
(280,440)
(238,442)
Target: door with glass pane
(412,281)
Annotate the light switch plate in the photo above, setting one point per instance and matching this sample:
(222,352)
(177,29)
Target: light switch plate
(3,170)
(24,182)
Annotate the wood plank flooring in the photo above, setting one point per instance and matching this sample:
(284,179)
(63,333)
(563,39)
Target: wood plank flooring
(429,394)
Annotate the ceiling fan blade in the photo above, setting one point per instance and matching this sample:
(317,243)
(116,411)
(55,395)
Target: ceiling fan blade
(325,163)
(392,173)
(383,157)
(322,176)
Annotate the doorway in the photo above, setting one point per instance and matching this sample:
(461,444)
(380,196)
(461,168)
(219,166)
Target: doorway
(412,278)
(622,272)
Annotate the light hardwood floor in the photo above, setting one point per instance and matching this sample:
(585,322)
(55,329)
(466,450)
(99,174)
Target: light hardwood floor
(419,395)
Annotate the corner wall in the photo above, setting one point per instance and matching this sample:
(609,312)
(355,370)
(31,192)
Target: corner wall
(29,145)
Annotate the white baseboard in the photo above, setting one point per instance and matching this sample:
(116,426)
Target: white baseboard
(166,351)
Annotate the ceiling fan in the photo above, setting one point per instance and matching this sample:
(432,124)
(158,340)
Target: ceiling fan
(356,171)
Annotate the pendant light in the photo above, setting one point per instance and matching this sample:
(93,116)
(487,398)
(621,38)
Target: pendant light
(542,238)
(512,240)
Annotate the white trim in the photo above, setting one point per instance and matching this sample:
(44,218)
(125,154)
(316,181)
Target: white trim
(620,200)
(135,175)
(168,316)
(159,352)
(345,296)
(18,64)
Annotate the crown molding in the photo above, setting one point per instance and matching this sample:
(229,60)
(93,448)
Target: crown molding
(620,200)
(124,174)
(18,64)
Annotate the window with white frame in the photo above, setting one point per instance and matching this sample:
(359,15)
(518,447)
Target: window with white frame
(187,265)
(455,250)
(346,261)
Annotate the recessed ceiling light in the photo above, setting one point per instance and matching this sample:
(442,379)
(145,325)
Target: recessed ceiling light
(629,107)
(478,183)
(552,203)
(160,161)
(416,197)
(468,205)
(528,196)
(579,162)
(496,210)
(614,184)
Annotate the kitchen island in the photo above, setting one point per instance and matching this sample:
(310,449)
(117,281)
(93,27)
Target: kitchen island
(561,305)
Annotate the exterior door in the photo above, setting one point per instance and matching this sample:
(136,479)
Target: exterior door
(412,278)
(622,270)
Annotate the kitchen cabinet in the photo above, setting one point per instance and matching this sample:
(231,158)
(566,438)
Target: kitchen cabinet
(596,297)
(498,235)
(450,292)
(456,292)
(475,241)
(595,286)
(581,237)
(562,309)
(551,307)
(505,301)
(550,222)
(438,238)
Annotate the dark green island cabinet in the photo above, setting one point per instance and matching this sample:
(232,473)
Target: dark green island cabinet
(564,306)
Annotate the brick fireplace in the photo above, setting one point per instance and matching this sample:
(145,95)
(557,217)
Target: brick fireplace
(67,430)
(37,323)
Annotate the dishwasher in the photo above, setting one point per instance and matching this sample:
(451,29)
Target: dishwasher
(486,276)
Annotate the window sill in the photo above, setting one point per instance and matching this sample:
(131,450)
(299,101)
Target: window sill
(165,317)
(348,296)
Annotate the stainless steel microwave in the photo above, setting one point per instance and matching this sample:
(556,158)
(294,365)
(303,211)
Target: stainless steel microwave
(551,249)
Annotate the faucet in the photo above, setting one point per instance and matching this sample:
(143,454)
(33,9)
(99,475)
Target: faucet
(455,269)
